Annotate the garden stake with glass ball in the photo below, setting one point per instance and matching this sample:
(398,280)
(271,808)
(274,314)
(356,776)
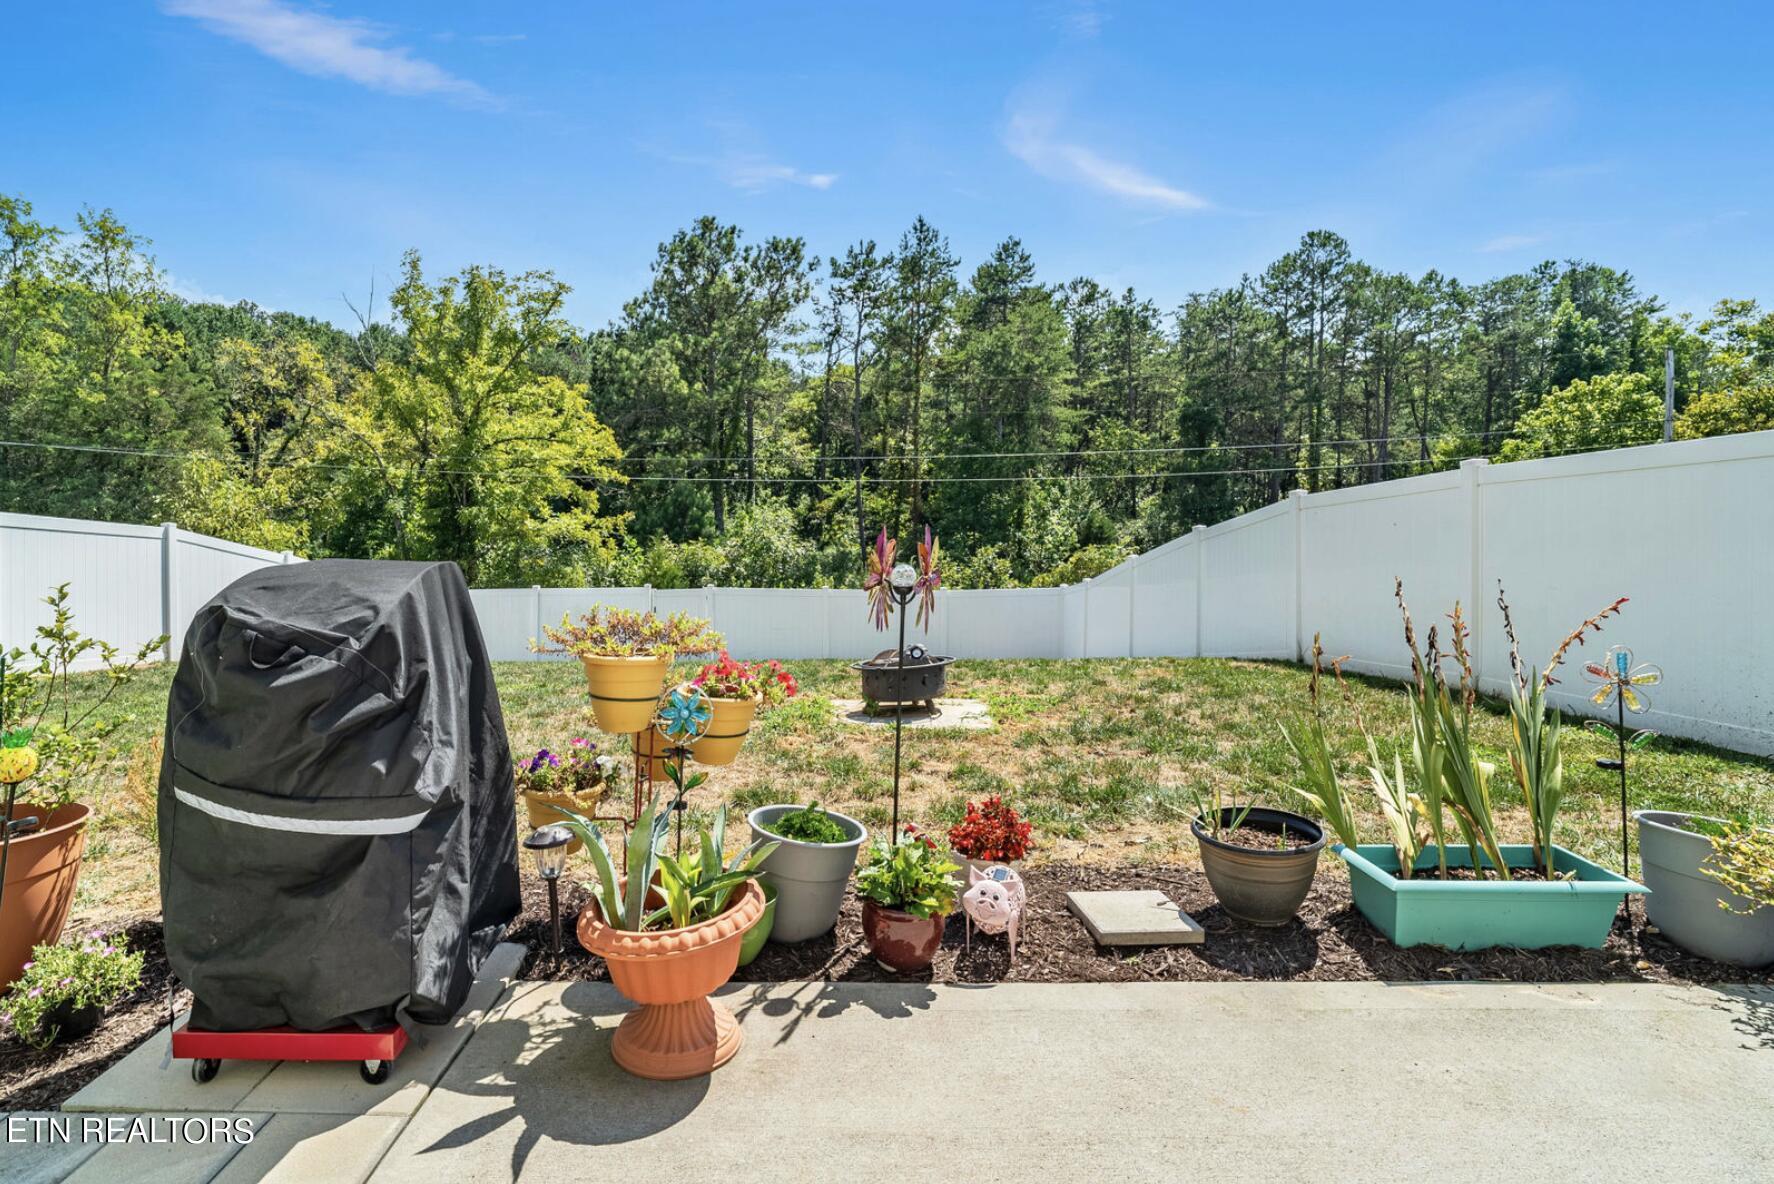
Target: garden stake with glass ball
(1619,680)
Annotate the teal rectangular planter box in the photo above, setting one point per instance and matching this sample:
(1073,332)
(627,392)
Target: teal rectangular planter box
(1426,910)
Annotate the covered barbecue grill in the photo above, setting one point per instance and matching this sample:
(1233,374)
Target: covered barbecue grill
(337,832)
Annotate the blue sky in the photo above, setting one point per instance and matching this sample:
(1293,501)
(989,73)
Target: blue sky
(287,152)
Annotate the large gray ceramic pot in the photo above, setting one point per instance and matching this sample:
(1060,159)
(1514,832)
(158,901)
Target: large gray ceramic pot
(1263,887)
(810,878)
(1684,903)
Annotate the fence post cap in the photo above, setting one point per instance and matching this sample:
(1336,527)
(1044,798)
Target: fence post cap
(1475,462)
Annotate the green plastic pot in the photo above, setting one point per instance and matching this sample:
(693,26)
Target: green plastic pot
(1426,910)
(758,934)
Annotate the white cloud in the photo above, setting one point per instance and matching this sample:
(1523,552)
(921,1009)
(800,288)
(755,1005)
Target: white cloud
(1031,138)
(1510,242)
(327,46)
(1080,18)
(752,173)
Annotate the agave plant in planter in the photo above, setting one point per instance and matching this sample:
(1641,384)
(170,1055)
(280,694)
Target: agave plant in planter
(626,655)
(907,891)
(670,928)
(1482,892)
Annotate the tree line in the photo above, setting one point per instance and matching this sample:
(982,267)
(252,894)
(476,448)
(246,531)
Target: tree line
(757,413)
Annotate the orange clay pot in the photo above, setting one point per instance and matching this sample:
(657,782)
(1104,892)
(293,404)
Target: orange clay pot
(677,1031)
(41,871)
(625,691)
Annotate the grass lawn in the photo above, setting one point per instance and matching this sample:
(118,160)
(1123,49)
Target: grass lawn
(1101,756)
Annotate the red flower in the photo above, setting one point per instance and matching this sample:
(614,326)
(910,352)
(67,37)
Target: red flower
(990,831)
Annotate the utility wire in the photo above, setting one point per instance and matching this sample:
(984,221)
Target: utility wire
(836,479)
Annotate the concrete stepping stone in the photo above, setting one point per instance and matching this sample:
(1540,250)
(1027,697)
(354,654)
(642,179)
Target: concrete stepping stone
(964,715)
(1145,917)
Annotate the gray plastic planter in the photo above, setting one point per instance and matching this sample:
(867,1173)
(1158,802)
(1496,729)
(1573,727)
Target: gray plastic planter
(1684,904)
(810,878)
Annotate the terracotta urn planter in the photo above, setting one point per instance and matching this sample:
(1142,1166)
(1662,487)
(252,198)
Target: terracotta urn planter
(899,941)
(727,729)
(41,871)
(625,690)
(677,1031)
(1261,885)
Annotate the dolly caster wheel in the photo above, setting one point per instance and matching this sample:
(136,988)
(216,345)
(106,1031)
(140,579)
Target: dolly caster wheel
(205,1069)
(374,1072)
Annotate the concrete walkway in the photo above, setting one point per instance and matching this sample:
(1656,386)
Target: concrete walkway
(1223,1082)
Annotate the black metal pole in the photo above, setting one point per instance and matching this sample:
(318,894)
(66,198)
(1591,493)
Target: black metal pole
(898,714)
(11,794)
(554,913)
(1625,838)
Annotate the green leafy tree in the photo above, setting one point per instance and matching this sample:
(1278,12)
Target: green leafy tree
(1611,411)
(462,450)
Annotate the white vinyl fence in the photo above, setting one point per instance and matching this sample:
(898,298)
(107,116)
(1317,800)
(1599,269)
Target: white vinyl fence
(129,584)
(1686,530)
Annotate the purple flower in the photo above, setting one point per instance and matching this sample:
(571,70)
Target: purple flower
(27,966)
(110,949)
(582,742)
(36,992)
(66,982)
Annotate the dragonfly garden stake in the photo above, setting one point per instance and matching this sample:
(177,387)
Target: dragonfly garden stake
(1619,682)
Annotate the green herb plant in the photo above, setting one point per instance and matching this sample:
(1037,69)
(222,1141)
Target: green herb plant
(810,824)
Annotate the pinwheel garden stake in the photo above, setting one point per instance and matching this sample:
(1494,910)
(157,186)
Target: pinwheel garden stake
(684,717)
(1620,681)
(888,586)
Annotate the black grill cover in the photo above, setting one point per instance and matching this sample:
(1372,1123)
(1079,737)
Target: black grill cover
(337,831)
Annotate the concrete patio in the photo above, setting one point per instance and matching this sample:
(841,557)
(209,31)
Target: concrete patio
(1103,1081)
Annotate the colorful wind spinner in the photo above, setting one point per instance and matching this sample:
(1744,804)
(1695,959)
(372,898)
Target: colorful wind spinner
(1619,686)
(1618,676)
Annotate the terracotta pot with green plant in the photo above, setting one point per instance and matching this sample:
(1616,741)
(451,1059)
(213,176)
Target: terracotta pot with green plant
(907,893)
(670,930)
(48,743)
(627,655)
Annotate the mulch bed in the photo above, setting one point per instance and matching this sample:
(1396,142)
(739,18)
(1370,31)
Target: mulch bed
(1328,942)
(32,1080)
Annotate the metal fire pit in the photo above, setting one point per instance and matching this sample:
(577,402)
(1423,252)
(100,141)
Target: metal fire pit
(924,678)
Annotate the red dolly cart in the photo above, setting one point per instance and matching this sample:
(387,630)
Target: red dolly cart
(374,1050)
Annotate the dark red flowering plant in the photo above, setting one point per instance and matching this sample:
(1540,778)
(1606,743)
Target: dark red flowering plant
(991,832)
(726,678)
